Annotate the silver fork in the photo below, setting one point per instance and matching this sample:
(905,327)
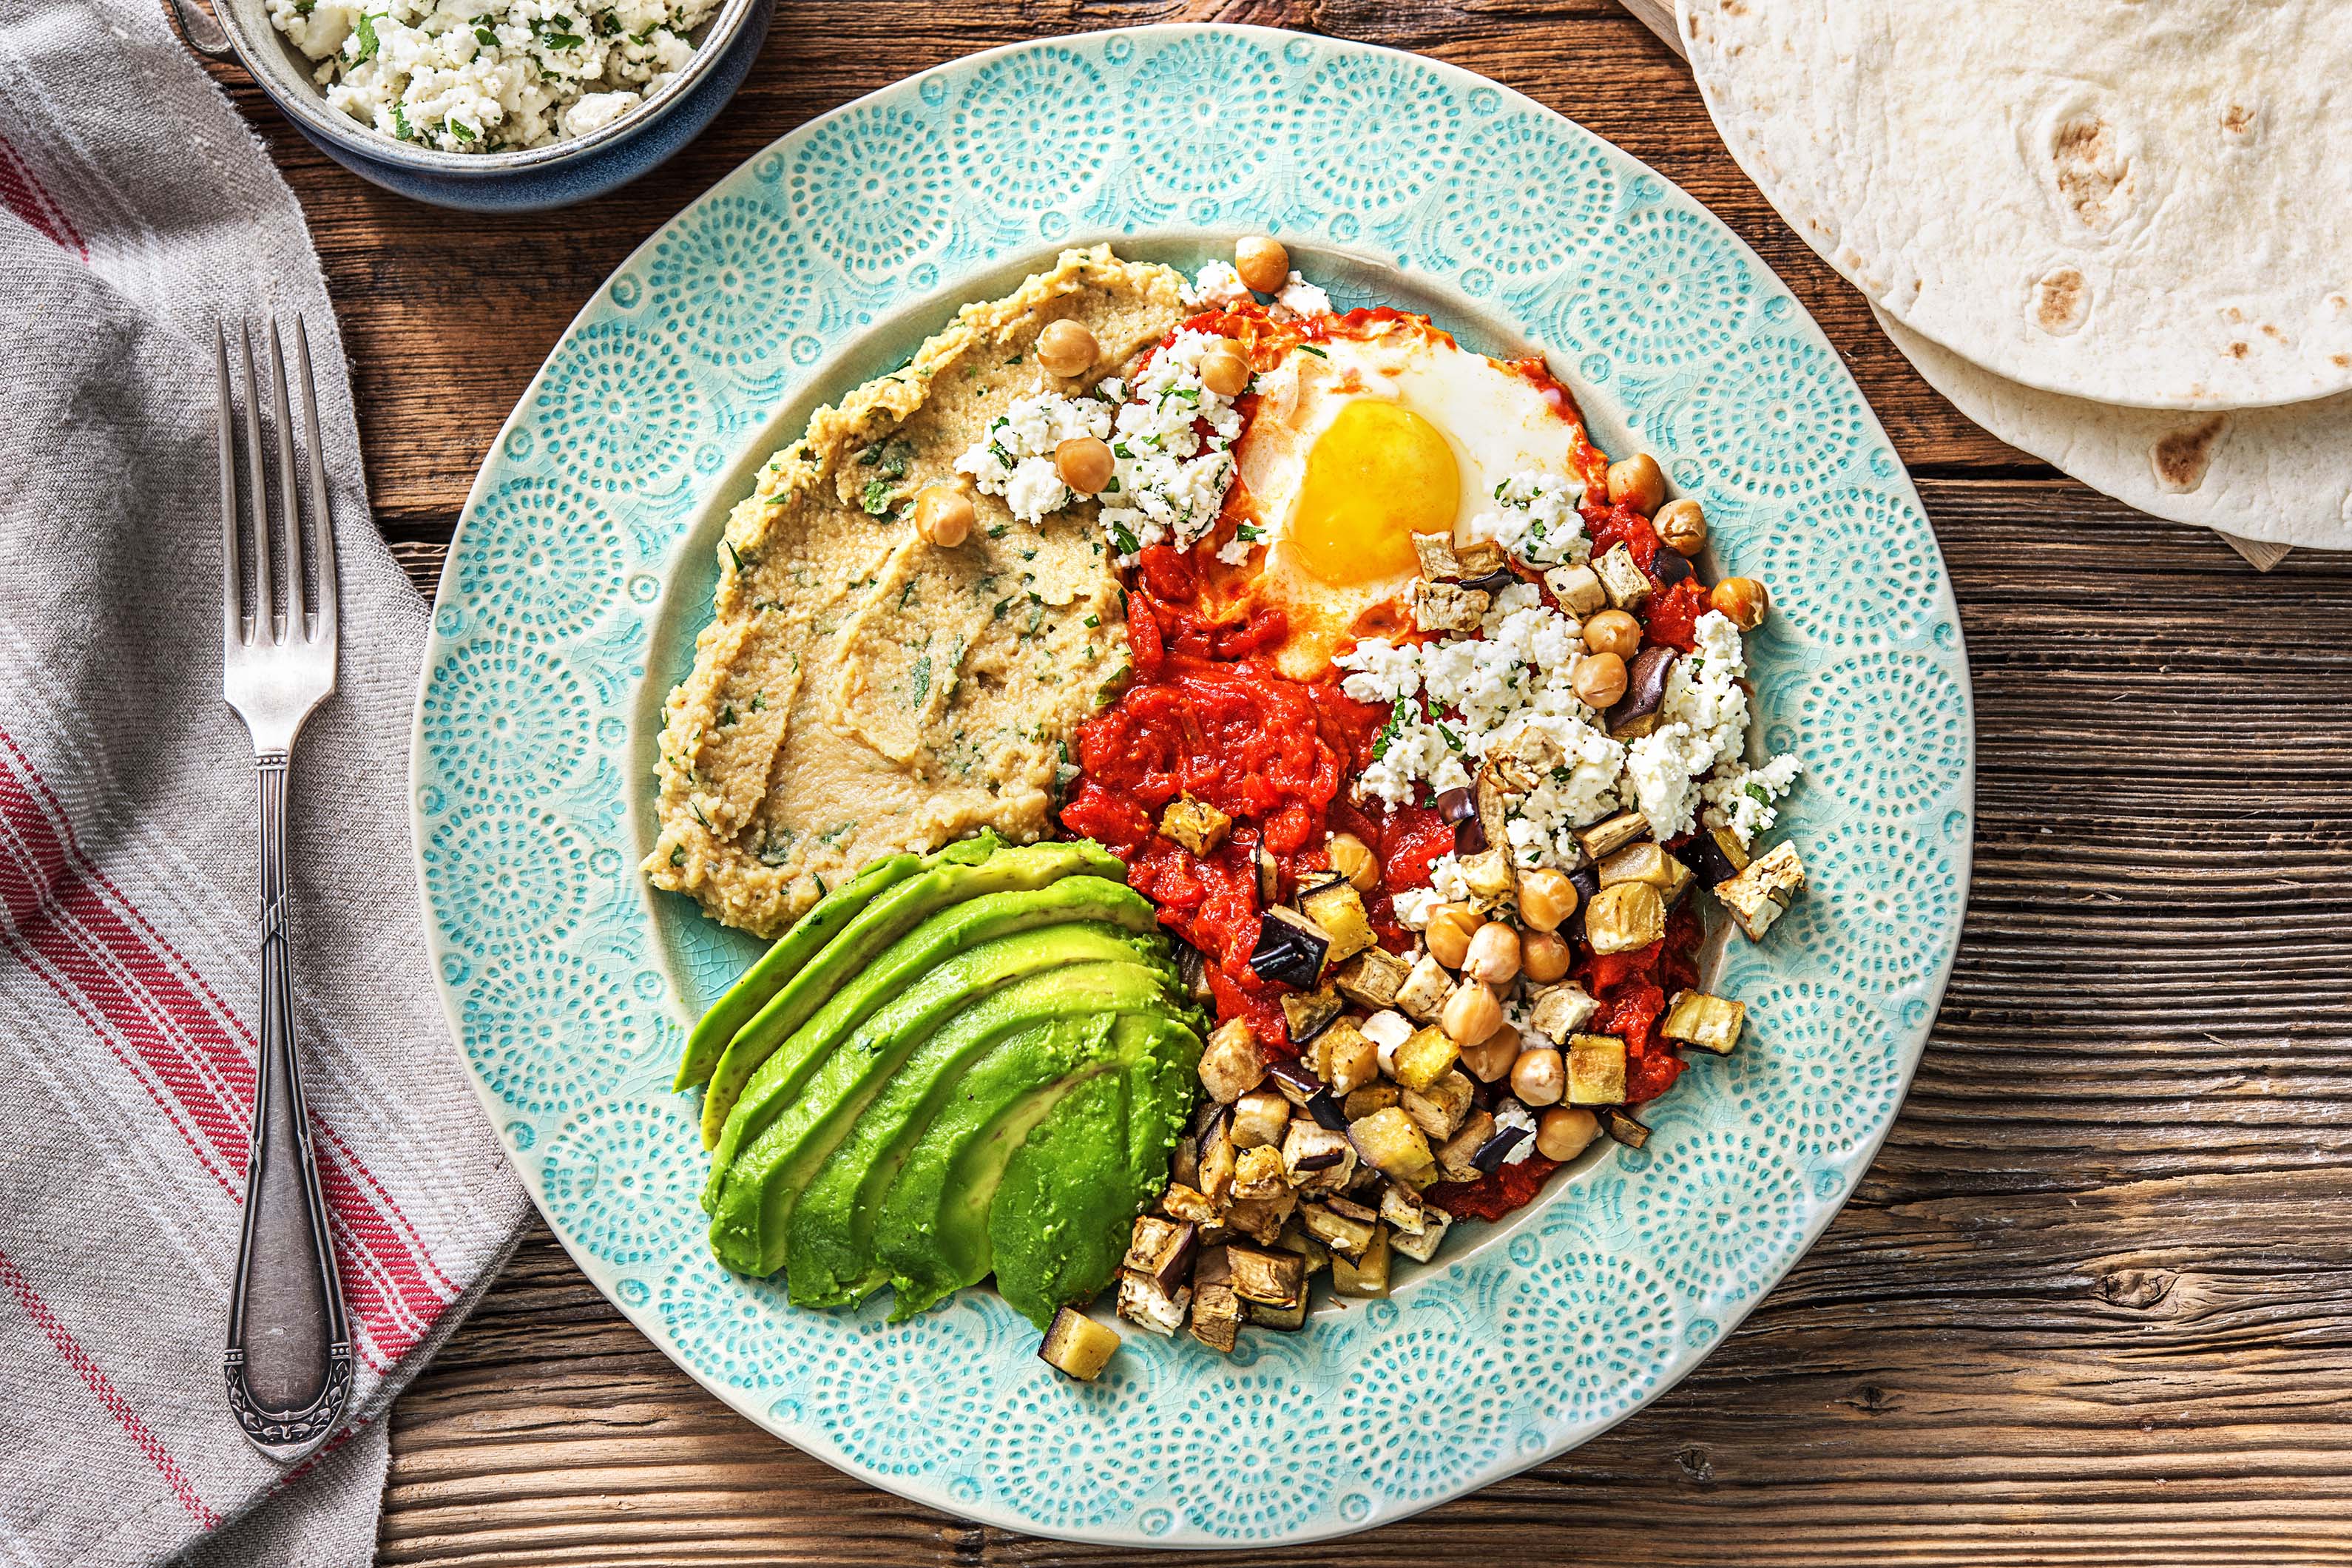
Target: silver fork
(288,1366)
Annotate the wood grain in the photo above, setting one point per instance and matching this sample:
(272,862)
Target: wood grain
(2093,1303)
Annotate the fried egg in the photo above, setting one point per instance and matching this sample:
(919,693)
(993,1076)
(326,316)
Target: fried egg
(1359,442)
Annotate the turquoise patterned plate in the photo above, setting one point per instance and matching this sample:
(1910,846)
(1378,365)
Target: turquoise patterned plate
(583,567)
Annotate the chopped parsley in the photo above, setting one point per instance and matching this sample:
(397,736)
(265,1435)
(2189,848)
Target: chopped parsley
(366,36)
(877,497)
(484,38)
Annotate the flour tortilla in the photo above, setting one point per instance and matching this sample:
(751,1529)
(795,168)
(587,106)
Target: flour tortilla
(2137,201)
(2280,475)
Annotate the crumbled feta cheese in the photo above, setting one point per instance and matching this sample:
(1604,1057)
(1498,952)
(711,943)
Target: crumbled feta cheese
(1445,876)
(1302,298)
(1233,552)
(1015,459)
(1169,475)
(490,74)
(1218,287)
(1741,801)
(1535,520)
(1381,671)
(1414,906)
(1510,1113)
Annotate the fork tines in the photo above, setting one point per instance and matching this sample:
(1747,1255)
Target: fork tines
(260,613)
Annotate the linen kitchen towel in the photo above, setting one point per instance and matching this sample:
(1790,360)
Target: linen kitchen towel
(136,209)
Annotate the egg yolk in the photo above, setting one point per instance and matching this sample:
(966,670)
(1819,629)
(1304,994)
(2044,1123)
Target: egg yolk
(1377,476)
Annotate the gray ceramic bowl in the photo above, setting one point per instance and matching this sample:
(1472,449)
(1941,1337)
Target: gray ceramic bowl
(525,181)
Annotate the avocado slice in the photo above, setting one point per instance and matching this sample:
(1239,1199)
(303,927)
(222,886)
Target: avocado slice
(787,1066)
(1061,1217)
(829,1258)
(790,955)
(751,1217)
(931,1231)
(962,871)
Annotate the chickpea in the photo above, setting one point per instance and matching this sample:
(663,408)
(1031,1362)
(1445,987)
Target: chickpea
(943,515)
(1742,600)
(1636,482)
(1682,526)
(1084,463)
(1451,926)
(1540,1076)
(1067,348)
(1471,1013)
(1494,954)
(1566,1132)
(1225,373)
(1599,679)
(1489,1061)
(1613,631)
(1353,859)
(1263,262)
(1547,898)
(1544,956)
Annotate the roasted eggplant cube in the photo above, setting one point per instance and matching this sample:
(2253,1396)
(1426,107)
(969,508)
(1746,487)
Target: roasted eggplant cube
(1438,1109)
(1260,1117)
(1346,1237)
(1163,1248)
(1338,910)
(1446,608)
(1481,561)
(1622,918)
(1372,978)
(1605,838)
(1596,1070)
(1456,1157)
(1489,874)
(1424,1058)
(1390,1142)
(1296,1084)
(1078,1345)
(1636,714)
(1561,1010)
(1621,1125)
(1625,583)
(1524,761)
(1317,1159)
(1307,1014)
(1362,1102)
(1195,824)
(1493,805)
(1294,1238)
(1718,856)
(1366,1276)
(1290,949)
(1142,1301)
(1577,589)
(1421,1245)
(1710,1023)
(1218,1159)
(1258,1172)
(1232,1065)
(1181,1201)
(1261,1218)
(1350,1060)
(1763,892)
(1184,1163)
(1284,1317)
(1423,995)
(1403,1210)
(1268,1276)
(1438,561)
(1216,1317)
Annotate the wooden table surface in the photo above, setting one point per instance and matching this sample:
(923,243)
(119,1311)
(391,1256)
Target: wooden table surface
(2093,1304)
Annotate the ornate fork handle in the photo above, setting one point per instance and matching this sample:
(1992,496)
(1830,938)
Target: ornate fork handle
(289,1365)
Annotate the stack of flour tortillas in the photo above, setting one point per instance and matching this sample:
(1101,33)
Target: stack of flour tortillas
(2115,233)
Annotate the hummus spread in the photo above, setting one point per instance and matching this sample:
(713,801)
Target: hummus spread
(860,690)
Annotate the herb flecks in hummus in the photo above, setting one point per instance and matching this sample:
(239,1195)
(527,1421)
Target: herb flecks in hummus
(860,690)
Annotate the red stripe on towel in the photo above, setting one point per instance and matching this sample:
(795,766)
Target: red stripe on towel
(22,192)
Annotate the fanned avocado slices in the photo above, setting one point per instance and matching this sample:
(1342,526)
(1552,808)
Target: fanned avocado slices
(829,1258)
(962,871)
(788,1065)
(781,963)
(751,1217)
(932,1230)
(1060,1220)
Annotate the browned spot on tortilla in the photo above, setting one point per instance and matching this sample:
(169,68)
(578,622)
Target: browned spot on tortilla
(2237,120)
(2093,176)
(2237,351)
(2182,457)
(2061,301)
(2343,362)
(2272,333)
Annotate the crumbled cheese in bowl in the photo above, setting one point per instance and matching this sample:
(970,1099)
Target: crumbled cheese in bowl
(491,76)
